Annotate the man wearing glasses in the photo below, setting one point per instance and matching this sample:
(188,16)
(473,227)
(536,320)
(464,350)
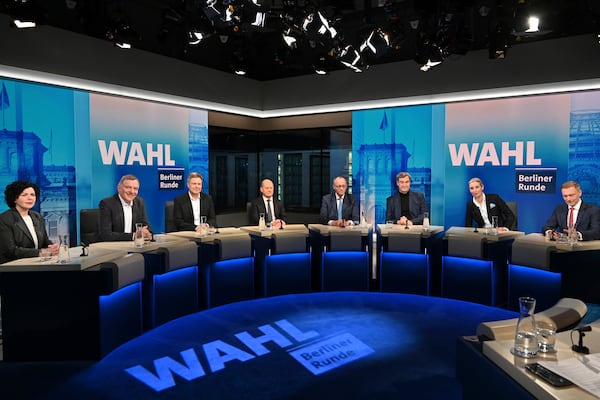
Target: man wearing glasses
(339,208)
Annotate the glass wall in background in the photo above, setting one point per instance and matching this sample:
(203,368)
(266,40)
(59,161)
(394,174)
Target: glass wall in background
(302,163)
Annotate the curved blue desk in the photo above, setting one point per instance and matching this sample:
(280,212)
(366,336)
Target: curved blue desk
(350,345)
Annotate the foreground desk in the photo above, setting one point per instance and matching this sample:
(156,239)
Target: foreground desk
(76,311)
(226,266)
(475,265)
(558,270)
(341,257)
(170,288)
(405,258)
(498,352)
(282,260)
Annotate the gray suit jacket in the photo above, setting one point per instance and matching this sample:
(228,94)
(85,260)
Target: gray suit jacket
(16,240)
(416,207)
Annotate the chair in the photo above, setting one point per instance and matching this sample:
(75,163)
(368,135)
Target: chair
(88,225)
(169,218)
(513,207)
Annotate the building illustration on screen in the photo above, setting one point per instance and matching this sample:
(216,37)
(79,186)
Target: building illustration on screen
(381,156)
(584,152)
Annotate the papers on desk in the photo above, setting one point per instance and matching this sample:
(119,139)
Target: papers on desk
(584,371)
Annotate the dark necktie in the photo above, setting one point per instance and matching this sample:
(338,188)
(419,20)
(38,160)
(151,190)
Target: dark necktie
(571,217)
(269,215)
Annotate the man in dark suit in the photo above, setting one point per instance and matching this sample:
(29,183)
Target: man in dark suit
(483,207)
(190,206)
(583,217)
(405,207)
(276,213)
(330,212)
(119,213)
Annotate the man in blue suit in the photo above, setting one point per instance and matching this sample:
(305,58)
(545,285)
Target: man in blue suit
(405,207)
(331,214)
(576,213)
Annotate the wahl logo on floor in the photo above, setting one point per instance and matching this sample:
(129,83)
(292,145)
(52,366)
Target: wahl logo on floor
(318,355)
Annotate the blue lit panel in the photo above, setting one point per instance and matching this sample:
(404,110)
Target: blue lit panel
(287,274)
(404,273)
(174,294)
(468,279)
(120,316)
(230,281)
(544,286)
(345,270)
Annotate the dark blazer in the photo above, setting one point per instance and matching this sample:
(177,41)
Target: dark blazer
(16,240)
(588,220)
(112,219)
(183,214)
(416,207)
(495,207)
(258,206)
(329,208)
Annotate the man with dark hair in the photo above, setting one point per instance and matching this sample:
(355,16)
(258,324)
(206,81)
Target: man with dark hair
(405,207)
(119,213)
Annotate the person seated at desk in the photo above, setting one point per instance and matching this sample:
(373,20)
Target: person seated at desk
(574,213)
(22,230)
(483,207)
(266,204)
(405,207)
(190,206)
(119,213)
(331,213)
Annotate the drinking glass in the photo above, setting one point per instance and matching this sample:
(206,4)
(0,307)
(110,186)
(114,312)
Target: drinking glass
(63,250)
(138,235)
(389,224)
(425,222)
(494,225)
(546,334)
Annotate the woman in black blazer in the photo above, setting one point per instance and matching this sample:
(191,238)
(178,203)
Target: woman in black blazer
(22,230)
(492,204)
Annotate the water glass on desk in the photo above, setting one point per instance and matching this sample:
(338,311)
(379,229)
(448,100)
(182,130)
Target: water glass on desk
(138,235)
(63,250)
(425,222)
(546,334)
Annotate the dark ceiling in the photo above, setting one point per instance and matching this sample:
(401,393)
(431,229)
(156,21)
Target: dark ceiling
(445,28)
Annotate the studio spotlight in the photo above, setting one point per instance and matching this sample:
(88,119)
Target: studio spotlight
(195,37)
(319,67)
(378,42)
(350,57)
(317,23)
(24,14)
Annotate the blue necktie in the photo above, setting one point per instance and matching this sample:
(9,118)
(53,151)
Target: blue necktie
(339,207)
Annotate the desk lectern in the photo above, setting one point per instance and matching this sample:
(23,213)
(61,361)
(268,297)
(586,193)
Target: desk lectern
(404,262)
(475,265)
(549,270)
(76,311)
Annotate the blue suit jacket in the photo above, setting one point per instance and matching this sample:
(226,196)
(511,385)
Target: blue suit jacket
(329,209)
(416,207)
(588,220)
(112,219)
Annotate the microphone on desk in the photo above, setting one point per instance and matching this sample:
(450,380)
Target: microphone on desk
(475,227)
(217,229)
(84,249)
(580,348)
